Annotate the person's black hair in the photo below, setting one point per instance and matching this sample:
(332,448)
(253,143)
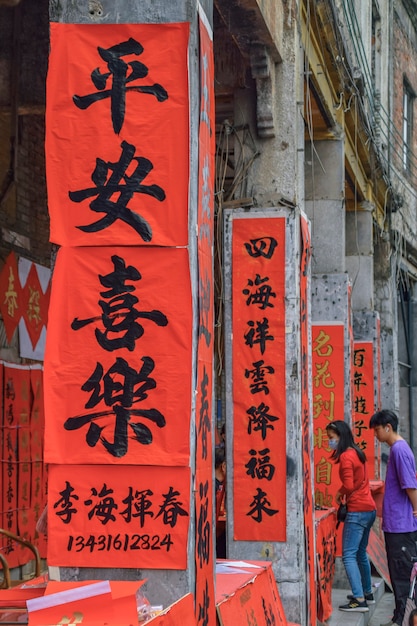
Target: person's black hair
(411,616)
(384,417)
(219,456)
(345,440)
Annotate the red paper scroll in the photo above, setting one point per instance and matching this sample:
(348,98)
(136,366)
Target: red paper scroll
(259,390)
(364,400)
(118,517)
(119,357)
(205,610)
(117,134)
(328,403)
(326,553)
(307,418)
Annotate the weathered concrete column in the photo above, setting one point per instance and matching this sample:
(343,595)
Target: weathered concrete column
(359,257)
(324,205)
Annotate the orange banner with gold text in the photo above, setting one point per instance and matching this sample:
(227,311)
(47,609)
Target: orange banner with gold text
(259,389)
(328,404)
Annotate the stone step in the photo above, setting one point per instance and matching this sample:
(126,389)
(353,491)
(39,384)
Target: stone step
(379,613)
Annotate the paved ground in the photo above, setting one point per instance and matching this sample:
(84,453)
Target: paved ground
(379,613)
(383,610)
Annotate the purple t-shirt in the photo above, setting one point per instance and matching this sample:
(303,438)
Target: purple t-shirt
(397,511)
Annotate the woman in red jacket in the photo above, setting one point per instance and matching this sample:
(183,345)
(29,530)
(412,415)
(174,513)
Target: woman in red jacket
(361,514)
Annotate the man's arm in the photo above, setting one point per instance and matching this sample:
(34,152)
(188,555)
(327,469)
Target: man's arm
(412,494)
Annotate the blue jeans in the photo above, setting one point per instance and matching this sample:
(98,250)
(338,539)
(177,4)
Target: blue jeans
(354,543)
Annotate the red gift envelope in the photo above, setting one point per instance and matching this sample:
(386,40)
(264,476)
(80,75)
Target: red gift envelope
(103,603)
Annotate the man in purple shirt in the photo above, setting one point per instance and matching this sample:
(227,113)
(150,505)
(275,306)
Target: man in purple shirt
(399,509)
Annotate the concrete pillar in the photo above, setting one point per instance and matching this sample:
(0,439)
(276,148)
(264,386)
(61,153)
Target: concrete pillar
(359,257)
(330,302)
(324,204)
(289,557)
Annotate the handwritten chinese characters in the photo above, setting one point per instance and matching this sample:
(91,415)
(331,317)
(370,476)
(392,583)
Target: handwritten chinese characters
(117,137)
(143,514)
(131,320)
(328,402)
(364,400)
(258,284)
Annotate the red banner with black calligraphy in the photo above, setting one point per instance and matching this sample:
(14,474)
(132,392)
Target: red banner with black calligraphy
(259,388)
(123,347)
(325,555)
(117,134)
(364,400)
(205,610)
(118,517)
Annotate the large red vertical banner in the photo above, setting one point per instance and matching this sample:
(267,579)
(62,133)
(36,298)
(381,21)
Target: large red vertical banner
(118,358)
(364,399)
(307,422)
(328,403)
(205,609)
(259,390)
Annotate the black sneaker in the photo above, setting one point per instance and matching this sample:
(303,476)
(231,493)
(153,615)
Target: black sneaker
(355,605)
(369,597)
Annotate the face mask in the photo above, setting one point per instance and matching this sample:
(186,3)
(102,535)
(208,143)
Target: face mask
(333,443)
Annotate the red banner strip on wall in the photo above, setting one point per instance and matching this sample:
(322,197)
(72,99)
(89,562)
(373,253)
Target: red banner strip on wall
(259,389)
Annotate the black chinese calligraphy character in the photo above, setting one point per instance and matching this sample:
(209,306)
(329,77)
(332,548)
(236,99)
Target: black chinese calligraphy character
(103,504)
(261,247)
(10,392)
(105,189)
(119,315)
(358,381)
(204,424)
(261,296)
(257,375)
(203,525)
(260,505)
(122,386)
(66,503)
(360,405)
(204,292)
(359,357)
(268,613)
(260,419)
(203,608)
(260,467)
(171,508)
(258,334)
(118,72)
(138,505)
